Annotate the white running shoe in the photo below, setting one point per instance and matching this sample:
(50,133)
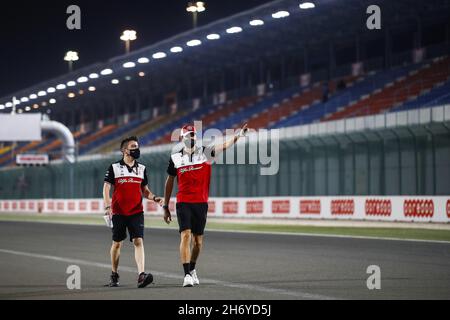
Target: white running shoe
(188,282)
(194,277)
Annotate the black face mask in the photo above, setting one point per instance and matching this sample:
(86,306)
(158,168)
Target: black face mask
(135,153)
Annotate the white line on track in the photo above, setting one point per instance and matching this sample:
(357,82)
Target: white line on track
(322,235)
(295,294)
(343,236)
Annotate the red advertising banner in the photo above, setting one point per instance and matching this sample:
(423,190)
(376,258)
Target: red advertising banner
(211,207)
(60,206)
(448,208)
(83,206)
(310,207)
(172,205)
(378,207)
(254,207)
(343,207)
(421,208)
(281,206)
(95,206)
(230,207)
(388,208)
(152,206)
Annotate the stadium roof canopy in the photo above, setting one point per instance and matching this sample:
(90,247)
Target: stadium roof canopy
(286,28)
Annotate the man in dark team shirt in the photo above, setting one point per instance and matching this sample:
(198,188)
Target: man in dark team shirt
(192,168)
(129,179)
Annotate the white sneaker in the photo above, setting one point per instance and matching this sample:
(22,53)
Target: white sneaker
(188,282)
(194,277)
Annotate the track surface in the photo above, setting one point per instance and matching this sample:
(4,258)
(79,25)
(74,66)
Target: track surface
(34,258)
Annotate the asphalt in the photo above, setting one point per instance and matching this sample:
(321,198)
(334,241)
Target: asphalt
(233,266)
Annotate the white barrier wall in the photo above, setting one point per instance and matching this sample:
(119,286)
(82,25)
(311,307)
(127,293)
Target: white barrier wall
(388,208)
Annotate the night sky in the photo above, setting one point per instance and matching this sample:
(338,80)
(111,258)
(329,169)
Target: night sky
(35,37)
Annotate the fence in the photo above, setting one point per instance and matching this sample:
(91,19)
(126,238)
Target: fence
(403,153)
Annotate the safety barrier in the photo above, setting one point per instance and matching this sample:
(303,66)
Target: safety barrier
(388,208)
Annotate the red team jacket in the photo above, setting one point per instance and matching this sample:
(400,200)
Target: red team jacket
(128,183)
(193,173)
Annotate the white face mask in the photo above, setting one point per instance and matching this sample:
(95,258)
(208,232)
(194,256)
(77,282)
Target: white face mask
(189,142)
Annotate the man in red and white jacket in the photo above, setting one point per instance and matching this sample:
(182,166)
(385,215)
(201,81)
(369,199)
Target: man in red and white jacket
(129,180)
(192,168)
